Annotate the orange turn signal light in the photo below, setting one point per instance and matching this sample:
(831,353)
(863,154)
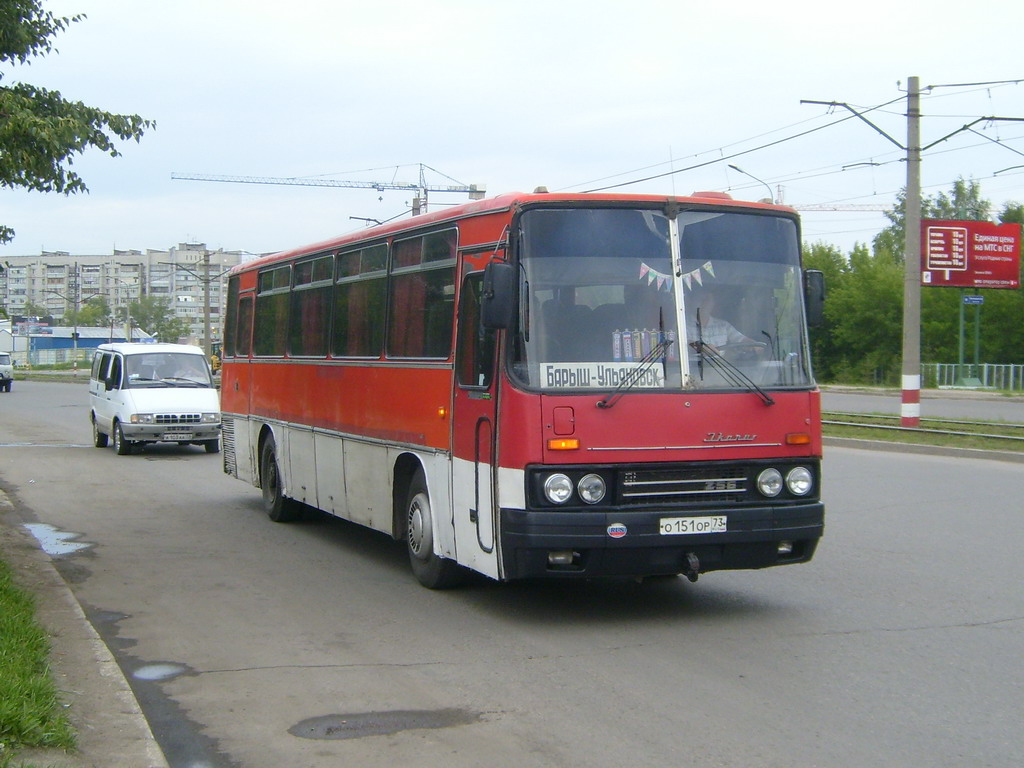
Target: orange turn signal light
(798,438)
(563,444)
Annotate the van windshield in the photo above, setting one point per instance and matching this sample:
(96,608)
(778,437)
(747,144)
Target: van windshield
(167,369)
(5,359)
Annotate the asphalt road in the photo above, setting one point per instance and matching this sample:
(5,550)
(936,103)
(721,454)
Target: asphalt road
(256,644)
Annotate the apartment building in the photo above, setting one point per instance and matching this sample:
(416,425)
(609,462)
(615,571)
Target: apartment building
(189,275)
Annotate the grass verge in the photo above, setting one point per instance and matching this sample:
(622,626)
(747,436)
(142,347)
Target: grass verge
(30,709)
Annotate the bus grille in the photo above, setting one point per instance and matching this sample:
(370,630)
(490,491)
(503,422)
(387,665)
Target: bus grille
(684,485)
(227,443)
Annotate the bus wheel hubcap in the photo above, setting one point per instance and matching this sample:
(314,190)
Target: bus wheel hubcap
(420,543)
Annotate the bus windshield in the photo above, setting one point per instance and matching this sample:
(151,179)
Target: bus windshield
(711,300)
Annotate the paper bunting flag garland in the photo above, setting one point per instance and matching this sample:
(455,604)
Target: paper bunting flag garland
(663,281)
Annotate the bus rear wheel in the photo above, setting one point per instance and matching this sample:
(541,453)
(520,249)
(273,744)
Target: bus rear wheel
(432,571)
(278,507)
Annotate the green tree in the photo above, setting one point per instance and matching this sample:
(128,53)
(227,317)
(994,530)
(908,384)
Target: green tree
(32,309)
(41,132)
(836,270)
(963,203)
(93,313)
(866,314)
(155,316)
(939,306)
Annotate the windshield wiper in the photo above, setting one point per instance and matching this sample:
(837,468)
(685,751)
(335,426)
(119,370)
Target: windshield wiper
(729,371)
(178,381)
(632,378)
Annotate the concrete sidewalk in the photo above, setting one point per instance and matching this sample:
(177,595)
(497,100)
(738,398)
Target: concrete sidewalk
(112,731)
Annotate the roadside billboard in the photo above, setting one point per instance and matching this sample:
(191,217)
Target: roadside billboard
(970,254)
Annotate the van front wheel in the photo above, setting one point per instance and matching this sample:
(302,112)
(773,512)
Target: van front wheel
(122,446)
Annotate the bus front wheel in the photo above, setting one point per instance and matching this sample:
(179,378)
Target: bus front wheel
(278,507)
(432,571)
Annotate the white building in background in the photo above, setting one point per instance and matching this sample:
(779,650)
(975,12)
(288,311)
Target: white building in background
(188,276)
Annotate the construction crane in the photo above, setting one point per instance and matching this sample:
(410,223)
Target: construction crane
(843,207)
(422,188)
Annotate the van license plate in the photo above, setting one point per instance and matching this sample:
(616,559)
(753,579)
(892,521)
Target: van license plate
(178,436)
(675,526)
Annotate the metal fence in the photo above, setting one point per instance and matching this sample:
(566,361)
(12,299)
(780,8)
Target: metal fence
(1004,376)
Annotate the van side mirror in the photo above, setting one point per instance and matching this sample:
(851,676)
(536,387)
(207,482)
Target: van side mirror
(814,296)
(108,383)
(497,299)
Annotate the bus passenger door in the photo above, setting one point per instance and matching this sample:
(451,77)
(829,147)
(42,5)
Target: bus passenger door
(474,459)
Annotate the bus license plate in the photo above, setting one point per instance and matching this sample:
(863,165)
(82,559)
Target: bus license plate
(177,436)
(674,526)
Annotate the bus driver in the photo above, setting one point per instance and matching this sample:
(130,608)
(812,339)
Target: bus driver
(714,332)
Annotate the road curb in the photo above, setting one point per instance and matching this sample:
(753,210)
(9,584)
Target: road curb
(929,450)
(111,728)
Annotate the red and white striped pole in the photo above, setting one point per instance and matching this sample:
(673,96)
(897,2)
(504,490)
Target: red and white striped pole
(910,411)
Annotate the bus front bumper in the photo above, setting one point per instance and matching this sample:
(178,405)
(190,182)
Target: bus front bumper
(585,544)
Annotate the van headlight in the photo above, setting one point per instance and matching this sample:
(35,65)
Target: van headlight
(142,418)
(211,418)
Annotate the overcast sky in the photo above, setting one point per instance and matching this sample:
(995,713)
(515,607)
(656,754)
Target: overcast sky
(571,94)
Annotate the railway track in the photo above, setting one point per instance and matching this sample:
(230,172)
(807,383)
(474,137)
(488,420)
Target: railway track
(984,435)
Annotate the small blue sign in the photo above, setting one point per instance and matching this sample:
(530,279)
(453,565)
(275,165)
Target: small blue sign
(974,299)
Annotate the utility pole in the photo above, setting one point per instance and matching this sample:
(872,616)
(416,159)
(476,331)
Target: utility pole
(910,405)
(205,279)
(910,409)
(207,342)
(76,296)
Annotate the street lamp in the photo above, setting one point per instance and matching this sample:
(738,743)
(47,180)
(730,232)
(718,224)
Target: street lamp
(771,195)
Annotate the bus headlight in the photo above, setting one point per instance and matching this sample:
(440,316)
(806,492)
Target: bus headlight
(558,488)
(211,418)
(799,481)
(591,488)
(769,482)
(142,418)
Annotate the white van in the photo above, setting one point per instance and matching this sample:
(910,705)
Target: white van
(6,371)
(148,393)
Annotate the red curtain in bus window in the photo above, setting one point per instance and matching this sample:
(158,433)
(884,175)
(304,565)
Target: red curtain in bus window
(243,339)
(408,305)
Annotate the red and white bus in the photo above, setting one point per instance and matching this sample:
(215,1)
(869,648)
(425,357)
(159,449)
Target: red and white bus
(521,386)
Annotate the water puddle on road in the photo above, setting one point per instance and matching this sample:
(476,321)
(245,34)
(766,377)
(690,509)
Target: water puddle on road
(358,725)
(159,671)
(55,542)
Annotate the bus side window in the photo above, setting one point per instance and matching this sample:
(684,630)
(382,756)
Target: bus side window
(243,337)
(475,344)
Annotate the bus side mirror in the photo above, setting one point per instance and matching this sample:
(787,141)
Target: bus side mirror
(497,306)
(814,297)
